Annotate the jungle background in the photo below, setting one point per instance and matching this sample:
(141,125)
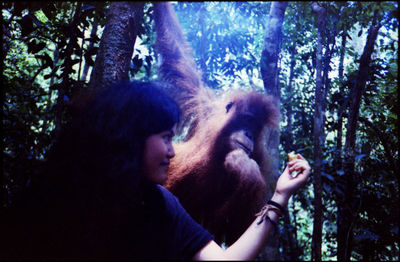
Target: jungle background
(336,79)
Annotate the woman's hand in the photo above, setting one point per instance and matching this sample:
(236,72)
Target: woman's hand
(288,184)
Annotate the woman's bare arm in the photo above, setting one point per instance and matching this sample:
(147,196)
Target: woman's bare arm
(249,245)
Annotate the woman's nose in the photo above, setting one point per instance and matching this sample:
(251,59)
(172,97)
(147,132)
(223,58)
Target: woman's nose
(171,151)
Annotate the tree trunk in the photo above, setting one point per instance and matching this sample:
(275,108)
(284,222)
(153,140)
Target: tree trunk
(289,109)
(290,228)
(86,66)
(341,59)
(116,45)
(338,152)
(269,72)
(347,208)
(397,166)
(203,43)
(271,49)
(318,136)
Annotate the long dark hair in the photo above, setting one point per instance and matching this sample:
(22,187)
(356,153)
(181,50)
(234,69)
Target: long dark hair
(90,193)
(93,177)
(77,208)
(103,146)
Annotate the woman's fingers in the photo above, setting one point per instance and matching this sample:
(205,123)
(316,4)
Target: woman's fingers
(299,164)
(300,157)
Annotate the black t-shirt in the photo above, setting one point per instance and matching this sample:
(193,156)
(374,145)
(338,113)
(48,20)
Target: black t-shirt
(164,230)
(159,229)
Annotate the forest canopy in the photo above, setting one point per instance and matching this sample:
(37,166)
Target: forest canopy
(337,79)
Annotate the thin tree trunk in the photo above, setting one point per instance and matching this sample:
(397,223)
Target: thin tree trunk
(203,43)
(346,214)
(318,136)
(397,166)
(81,53)
(291,230)
(338,152)
(116,45)
(269,68)
(341,59)
(342,106)
(269,72)
(289,90)
(86,66)
(271,49)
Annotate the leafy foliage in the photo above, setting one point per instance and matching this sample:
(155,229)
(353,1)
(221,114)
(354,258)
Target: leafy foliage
(41,58)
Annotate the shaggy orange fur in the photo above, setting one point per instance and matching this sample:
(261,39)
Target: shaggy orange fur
(221,186)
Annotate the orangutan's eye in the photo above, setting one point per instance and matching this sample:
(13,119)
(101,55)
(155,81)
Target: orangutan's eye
(228,106)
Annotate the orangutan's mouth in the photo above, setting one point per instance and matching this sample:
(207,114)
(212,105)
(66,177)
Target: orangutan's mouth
(245,148)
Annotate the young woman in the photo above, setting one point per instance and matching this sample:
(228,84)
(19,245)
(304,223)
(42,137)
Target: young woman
(101,195)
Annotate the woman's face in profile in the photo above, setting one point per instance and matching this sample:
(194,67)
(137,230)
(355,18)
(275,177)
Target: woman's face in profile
(158,151)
